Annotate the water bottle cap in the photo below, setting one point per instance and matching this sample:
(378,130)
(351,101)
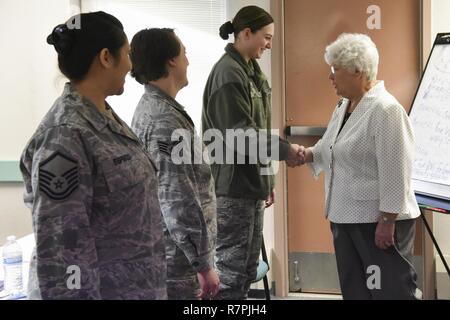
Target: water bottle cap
(11,238)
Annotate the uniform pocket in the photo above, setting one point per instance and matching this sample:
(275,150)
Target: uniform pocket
(123,175)
(267,91)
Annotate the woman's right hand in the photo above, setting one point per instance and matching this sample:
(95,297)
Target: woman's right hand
(295,156)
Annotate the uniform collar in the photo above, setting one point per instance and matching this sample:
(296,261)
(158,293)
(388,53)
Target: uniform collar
(85,107)
(89,111)
(152,90)
(250,67)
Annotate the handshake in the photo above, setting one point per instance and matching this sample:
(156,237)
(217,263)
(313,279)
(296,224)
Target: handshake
(296,156)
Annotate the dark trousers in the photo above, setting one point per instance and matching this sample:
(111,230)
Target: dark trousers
(367,272)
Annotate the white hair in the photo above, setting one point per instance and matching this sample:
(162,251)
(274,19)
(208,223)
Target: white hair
(354,52)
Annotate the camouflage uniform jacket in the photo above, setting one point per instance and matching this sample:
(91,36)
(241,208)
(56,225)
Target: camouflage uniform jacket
(237,96)
(186,191)
(92,191)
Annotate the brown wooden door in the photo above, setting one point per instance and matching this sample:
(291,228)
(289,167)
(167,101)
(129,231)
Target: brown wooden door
(310,99)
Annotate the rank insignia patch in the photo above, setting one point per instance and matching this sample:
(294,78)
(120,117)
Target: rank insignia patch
(58,176)
(166,147)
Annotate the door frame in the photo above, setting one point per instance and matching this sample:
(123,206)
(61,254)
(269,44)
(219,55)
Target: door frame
(280,254)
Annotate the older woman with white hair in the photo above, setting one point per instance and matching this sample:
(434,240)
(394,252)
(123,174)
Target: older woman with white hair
(366,154)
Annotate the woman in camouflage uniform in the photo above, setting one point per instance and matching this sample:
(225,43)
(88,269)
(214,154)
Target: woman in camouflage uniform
(186,190)
(89,184)
(237,98)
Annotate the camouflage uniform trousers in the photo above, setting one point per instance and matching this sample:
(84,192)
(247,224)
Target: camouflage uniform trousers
(182,282)
(239,237)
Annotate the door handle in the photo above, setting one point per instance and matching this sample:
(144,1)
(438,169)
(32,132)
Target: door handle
(305,131)
(296,272)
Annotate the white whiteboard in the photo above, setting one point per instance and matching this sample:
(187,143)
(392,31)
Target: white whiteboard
(430,117)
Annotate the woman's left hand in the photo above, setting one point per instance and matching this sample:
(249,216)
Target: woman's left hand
(270,199)
(384,234)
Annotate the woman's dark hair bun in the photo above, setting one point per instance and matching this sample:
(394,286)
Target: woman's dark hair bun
(82,37)
(62,38)
(225,30)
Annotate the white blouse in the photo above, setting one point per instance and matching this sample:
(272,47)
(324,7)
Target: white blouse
(368,165)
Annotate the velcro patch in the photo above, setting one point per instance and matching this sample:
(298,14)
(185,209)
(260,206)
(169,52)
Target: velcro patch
(58,176)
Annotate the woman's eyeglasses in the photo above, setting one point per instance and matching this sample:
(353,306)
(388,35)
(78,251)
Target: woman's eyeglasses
(333,71)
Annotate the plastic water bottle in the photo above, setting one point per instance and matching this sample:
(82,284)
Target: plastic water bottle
(12,262)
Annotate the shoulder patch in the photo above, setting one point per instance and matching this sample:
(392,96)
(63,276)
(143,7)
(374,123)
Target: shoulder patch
(58,176)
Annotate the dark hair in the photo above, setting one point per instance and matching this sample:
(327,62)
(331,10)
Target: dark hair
(82,37)
(151,49)
(252,17)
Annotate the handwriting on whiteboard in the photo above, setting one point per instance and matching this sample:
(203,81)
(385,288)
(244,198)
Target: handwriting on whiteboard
(430,117)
